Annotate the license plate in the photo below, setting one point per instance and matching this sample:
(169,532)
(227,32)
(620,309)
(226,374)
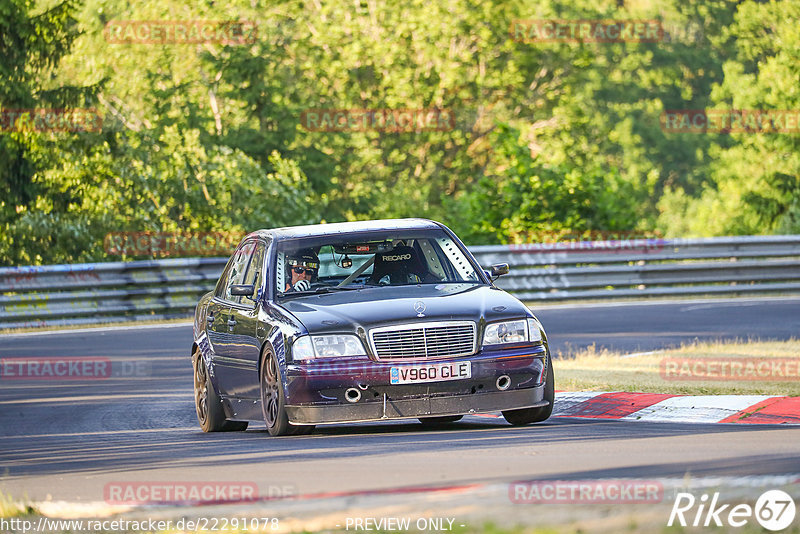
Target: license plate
(431,372)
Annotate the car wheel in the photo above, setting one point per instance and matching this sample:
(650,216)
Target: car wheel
(438,420)
(527,416)
(207,403)
(273,400)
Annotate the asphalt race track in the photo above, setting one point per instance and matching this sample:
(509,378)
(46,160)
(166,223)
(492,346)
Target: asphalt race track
(66,440)
(644,326)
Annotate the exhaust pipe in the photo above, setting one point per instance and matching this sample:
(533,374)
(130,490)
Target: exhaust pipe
(352,395)
(503,382)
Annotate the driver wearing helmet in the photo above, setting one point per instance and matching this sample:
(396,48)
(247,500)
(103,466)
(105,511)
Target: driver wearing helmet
(302,267)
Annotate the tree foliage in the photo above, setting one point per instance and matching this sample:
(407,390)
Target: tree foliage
(547,137)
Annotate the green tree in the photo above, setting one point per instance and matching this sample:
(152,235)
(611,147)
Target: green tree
(32,44)
(754,185)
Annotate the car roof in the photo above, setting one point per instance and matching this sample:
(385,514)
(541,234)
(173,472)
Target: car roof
(314,230)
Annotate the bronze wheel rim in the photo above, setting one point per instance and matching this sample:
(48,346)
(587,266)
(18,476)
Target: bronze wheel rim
(201,389)
(271,397)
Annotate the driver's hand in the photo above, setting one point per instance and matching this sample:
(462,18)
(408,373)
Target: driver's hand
(302,285)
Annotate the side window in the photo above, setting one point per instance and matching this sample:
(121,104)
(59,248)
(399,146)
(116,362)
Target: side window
(254,273)
(237,271)
(222,284)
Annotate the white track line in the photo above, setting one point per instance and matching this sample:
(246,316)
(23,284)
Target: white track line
(534,305)
(98,329)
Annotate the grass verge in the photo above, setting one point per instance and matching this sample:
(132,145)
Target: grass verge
(12,508)
(716,368)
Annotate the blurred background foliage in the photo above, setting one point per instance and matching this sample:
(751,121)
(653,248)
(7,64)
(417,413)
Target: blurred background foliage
(549,137)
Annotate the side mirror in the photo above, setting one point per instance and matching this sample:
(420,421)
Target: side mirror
(499,269)
(243,290)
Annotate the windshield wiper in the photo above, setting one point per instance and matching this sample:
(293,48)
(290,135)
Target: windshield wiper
(322,290)
(330,289)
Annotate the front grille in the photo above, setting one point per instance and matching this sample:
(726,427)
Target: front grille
(425,340)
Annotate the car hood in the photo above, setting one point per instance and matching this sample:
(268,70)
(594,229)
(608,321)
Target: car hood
(350,311)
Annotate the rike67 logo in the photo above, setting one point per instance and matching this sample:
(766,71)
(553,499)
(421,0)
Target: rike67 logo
(774,510)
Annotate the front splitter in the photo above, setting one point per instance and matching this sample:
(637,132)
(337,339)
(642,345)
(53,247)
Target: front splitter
(386,408)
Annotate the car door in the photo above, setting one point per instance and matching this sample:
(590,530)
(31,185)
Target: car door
(248,336)
(222,335)
(216,315)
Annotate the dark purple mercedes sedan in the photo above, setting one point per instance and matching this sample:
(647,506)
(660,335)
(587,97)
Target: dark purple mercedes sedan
(364,321)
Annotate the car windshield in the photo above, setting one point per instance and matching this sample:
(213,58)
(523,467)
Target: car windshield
(370,259)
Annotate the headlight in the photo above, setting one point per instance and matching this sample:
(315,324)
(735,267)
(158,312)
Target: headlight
(519,331)
(327,346)
(506,332)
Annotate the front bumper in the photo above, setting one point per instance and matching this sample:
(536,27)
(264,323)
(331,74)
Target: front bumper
(387,408)
(317,391)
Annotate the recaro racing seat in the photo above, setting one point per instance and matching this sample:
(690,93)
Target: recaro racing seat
(402,265)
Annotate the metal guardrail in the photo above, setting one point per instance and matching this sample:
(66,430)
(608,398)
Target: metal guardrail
(55,295)
(52,295)
(648,267)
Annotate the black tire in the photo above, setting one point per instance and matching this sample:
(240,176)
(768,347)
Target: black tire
(207,403)
(526,416)
(273,400)
(440,420)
